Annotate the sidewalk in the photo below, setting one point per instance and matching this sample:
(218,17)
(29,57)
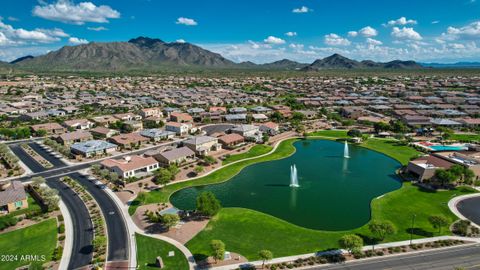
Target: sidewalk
(379,246)
(68,244)
(132,229)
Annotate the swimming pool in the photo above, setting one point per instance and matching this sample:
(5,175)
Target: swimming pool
(447,148)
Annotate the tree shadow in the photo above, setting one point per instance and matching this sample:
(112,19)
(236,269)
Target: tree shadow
(420,232)
(367,239)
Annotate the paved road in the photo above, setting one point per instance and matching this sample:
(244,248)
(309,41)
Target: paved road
(56,162)
(463,256)
(26,159)
(116,228)
(470,208)
(83,228)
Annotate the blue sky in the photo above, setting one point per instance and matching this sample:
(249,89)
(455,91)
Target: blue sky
(258,31)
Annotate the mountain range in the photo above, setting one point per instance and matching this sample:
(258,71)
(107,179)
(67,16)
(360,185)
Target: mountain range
(145,53)
(453,65)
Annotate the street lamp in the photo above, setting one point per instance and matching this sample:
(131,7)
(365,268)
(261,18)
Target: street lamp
(411,228)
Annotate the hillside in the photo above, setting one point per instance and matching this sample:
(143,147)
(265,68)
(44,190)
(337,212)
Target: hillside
(150,54)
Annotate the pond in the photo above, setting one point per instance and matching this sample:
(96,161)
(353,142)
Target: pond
(334,192)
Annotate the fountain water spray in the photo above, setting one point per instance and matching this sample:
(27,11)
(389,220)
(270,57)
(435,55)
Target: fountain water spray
(293,176)
(346,152)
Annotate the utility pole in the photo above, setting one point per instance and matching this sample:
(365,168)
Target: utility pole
(411,228)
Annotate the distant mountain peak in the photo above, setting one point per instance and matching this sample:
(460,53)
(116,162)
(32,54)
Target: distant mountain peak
(20,59)
(146,41)
(337,61)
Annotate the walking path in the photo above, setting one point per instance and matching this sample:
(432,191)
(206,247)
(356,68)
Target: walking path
(132,229)
(68,244)
(379,246)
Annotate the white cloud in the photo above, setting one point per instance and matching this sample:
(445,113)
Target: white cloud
(186,21)
(405,33)
(435,22)
(336,40)
(97,29)
(12,19)
(400,21)
(291,34)
(68,12)
(368,31)
(374,42)
(180,41)
(4,40)
(56,32)
(274,40)
(77,41)
(18,36)
(414,50)
(352,33)
(468,32)
(296,46)
(302,9)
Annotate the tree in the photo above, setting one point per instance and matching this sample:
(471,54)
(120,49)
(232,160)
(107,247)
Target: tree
(298,116)
(381,229)
(170,220)
(438,222)
(354,133)
(113,177)
(265,138)
(398,127)
(104,173)
(199,169)
(208,204)
(266,255)
(38,181)
(351,242)
(468,175)
(41,133)
(163,176)
(444,176)
(209,160)
(380,126)
(276,117)
(456,170)
(218,249)
(174,170)
(96,168)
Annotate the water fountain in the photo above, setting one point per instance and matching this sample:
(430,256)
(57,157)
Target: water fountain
(346,152)
(293,176)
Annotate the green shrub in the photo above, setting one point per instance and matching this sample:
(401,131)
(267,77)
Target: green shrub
(61,229)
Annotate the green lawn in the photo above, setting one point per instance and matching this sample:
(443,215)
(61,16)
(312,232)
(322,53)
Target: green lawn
(465,137)
(392,148)
(246,231)
(39,239)
(283,150)
(149,248)
(33,206)
(255,151)
(335,134)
